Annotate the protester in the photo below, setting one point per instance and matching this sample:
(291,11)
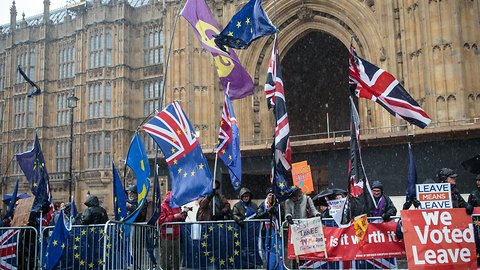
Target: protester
(207,211)
(385,207)
(132,204)
(322,206)
(245,207)
(170,234)
(94,214)
(271,238)
(77,219)
(474,198)
(299,205)
(446,175)
(59,206)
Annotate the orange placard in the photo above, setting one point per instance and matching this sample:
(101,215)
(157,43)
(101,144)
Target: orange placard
(439,239)
(302,176)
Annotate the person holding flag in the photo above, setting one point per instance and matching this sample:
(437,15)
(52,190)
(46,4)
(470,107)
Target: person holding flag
(385,207)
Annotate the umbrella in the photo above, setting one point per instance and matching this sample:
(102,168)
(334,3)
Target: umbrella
(6,197)
(323,193)
(472,165)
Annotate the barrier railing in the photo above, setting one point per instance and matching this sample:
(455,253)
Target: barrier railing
(18,248)
(212,245)
(193,245)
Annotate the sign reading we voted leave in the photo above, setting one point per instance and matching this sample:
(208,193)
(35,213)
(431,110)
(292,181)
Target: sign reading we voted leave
(434,196)
(439,239)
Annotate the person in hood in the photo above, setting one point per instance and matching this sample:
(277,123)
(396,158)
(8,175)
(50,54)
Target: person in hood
(474,198)
(385,207)
(94,214)
(244,208)
(132,204)
(214,206)
(169,234)
(447,175)
(299,205)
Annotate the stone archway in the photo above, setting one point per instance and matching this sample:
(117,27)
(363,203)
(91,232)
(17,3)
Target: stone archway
(315,75)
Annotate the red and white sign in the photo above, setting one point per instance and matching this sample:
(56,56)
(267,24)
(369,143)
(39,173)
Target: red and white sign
(439,239)
(342,244)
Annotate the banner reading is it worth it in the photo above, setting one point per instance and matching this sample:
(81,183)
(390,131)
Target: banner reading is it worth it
(342,244)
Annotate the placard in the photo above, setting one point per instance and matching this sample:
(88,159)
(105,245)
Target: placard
(22,212)
(434,196)
(307,236)
(302,176)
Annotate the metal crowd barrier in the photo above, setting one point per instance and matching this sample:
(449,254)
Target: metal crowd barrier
(212,245)
(114,245)
(18,248)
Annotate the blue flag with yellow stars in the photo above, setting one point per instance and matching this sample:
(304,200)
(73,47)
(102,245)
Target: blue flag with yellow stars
(249,24)
(119,197)
(137,160)
(221,245)
(56,244)
(176,137)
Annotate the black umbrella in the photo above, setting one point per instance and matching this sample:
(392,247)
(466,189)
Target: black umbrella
(472,165)
(323,193)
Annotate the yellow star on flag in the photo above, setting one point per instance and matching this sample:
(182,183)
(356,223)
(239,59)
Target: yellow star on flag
(230,34)
(35,184)
(212,259)
(247,21)
(201,166)
(76,255)
(239,24)
(179,170)
(55,242)
(172,150)
(193,173)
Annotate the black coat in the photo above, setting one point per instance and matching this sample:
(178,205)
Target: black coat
(94,214)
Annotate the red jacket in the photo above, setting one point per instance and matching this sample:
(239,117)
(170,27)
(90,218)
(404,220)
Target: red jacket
(167,214)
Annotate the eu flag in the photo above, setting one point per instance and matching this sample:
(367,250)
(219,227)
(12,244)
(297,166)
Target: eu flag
(228,148)
(56,244)
(249,24)
(13,200)
(119,197)
(137,160)
(29,161)
(174,134)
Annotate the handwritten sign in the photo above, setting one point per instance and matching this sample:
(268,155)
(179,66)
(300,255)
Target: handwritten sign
(434,196)
(335,206)
(307,236)
(302,176)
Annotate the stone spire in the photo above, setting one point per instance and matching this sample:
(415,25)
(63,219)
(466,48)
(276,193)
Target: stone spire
(46,11)
(13,16)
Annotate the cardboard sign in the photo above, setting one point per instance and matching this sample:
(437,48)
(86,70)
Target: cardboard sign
(22,212)
(302,176)
(439,239)
(307,236)
(335,206)
(434,196)
(342,244)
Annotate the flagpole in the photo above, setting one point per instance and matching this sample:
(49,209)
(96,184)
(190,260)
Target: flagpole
(214,179)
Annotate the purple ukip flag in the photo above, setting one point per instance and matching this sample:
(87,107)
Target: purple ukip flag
(229,68)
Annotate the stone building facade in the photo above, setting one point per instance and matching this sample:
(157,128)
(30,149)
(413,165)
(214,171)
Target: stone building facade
(112,55)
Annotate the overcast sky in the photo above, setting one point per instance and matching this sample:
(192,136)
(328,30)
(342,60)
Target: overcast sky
(30,7)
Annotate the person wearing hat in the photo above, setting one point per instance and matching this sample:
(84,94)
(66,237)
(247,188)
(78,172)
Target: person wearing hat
(271,231)
(214,206)
(385,207)
(244,208)
(447,175)
(474,198)
(132,204)
(269,206)
(94,214)
(299,205)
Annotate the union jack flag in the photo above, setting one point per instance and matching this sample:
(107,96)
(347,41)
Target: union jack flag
(371,82)
(172,131)
(381,263)
(8,249)
(228,148)
(272,79)
(282,154)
